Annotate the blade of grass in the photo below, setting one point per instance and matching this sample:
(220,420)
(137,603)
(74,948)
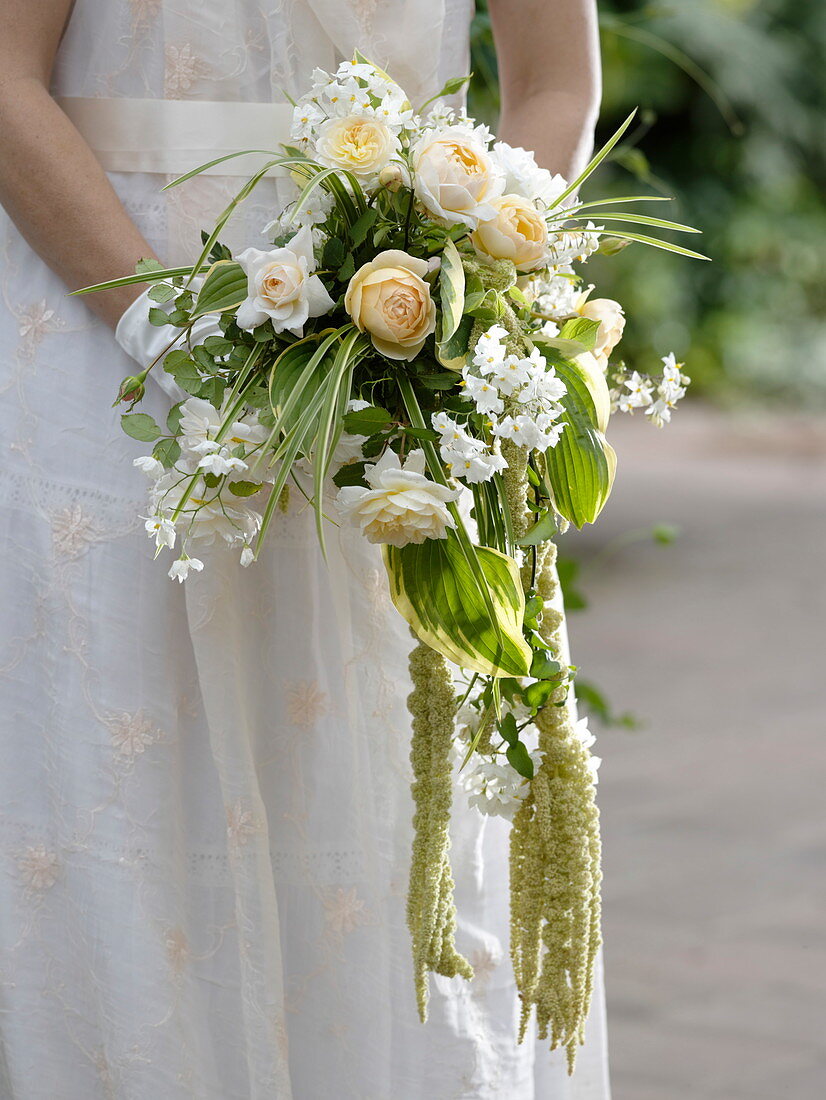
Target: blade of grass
(596,160)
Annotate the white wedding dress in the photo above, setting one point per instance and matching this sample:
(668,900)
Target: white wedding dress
(205,814)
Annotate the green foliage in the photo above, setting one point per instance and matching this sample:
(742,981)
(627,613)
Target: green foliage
(581,466)
(140,426)
(436,590)
(224,288)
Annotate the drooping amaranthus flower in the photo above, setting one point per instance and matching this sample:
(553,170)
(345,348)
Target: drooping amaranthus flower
(431,912)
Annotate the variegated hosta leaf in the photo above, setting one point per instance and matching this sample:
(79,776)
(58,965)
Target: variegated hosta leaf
(224,287)
(582,465)
(434,588)
(452,290)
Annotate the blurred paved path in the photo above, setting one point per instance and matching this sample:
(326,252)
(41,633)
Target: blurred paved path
(714,813)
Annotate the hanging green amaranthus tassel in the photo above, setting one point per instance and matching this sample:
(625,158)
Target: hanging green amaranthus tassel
(555,843)
(431,912)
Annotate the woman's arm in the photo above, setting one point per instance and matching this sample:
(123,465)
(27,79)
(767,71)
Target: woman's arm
(549,74)
(51,185)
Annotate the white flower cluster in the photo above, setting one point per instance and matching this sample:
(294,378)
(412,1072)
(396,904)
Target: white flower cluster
(467,457)
(520,395)
(312,214)
(494,787)
(206,516)
(558,295)
(356,89)
(657,397)
(567,246)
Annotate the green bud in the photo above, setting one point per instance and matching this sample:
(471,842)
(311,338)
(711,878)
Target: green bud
(131,389)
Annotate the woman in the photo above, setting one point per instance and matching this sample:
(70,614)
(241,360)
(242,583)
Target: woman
(205,804)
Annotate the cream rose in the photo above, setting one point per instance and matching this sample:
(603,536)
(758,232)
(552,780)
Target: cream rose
(362,146)
(611,324)
(281,285)
(401,506)
(518,232)
(455,177)
(389,298)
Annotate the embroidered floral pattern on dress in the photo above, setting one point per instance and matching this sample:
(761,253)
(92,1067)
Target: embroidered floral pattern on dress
(241,825)
(344,911)
(183,69)
(72,531)
(38,869)
(306,702)
(177,950)
(132,734)
(34,322)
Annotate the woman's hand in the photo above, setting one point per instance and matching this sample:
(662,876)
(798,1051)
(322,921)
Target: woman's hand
(549,76)
(51,185)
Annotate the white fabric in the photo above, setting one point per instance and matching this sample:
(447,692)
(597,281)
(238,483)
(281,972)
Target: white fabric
(175,136)
(146,343)
(205,813)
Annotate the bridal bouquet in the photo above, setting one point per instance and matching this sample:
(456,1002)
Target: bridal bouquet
(416,353)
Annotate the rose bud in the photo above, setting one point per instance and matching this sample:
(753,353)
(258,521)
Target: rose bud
(131,389)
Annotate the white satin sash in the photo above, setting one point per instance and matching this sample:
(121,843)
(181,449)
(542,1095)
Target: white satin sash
(173,136)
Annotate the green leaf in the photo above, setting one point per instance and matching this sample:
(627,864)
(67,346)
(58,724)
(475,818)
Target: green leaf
(537,695)
(140,426)
(147,267)
(454,85)
(543,667)
(158,317)
(347,269)
(244,488)
(204,360)
(654,242)
(167,451)
(366,421)
(421,433)
(445,380)
(453,352)
(334,252)
(542,530)
(581,329)
(582,465)
(218,345)
(184,370)
(452,291)
(520,760)
(152,275)
(351,473)
(595,161)
(435,589)
(212,391)
(224,288)
(173,418)
(362,225)
(162,292)
(507,727)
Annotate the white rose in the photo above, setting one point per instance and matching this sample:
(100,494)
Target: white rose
(523,176)
(360,145)
(611,324)
(281,285)
(401,506)
(518,232)
(455,177)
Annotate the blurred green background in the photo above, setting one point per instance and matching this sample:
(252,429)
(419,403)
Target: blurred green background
(731,123)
